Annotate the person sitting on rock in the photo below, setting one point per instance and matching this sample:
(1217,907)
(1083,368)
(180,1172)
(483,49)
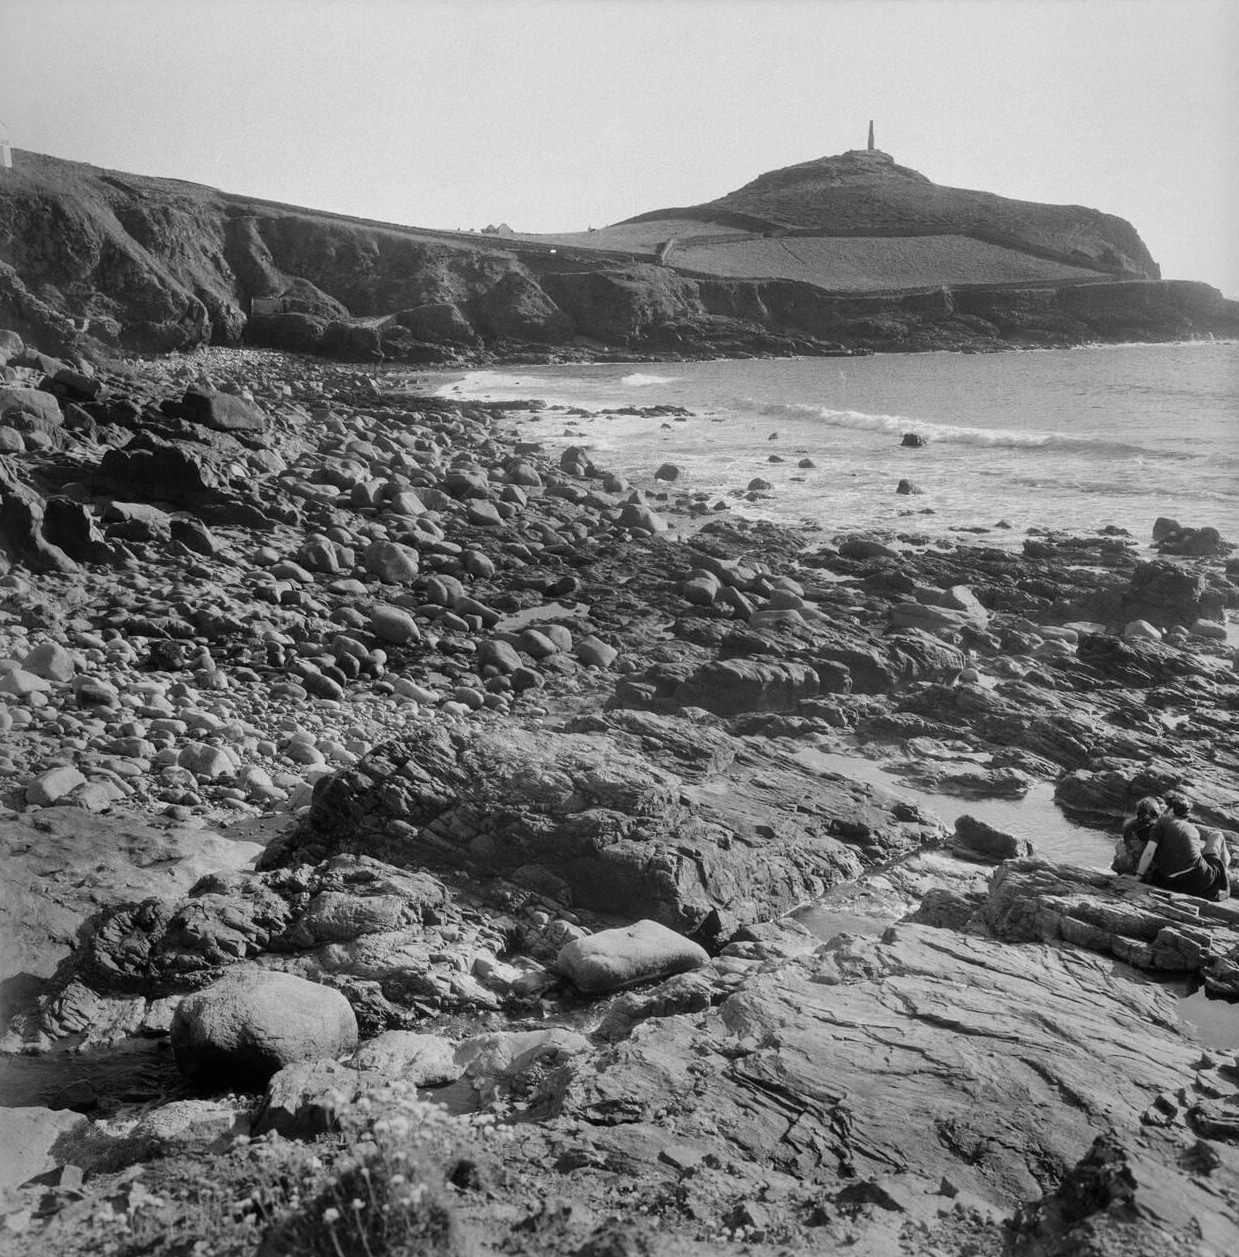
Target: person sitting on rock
(1176,857)
(1136,835)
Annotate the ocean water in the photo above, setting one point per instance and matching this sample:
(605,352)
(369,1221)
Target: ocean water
(1076,440)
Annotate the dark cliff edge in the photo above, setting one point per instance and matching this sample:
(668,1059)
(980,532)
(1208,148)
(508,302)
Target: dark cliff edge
(93,261)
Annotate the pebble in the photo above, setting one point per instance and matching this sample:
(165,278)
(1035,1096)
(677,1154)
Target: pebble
(595,653)
(394,625)
(304,753)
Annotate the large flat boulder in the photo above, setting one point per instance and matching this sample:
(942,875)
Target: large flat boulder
(28,401)
(425,1060)
(44,900)
(37,1140)
(153,468)
(224,412)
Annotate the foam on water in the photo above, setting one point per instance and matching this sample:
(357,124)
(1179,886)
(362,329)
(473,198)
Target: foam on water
(1076,440)
(939,432)
(639,379)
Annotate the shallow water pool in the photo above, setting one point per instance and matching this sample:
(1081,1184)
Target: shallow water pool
(140,1071)
(1035,816)
(1213,1020)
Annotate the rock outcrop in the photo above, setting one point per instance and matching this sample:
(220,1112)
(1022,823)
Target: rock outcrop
(1141,925)
(597,821)
(778,1084)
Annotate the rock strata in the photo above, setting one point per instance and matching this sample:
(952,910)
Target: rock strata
(1140,925)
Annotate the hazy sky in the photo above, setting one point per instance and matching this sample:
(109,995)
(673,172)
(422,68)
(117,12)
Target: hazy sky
(555,115)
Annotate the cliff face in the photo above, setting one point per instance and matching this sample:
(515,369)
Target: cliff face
(92,259)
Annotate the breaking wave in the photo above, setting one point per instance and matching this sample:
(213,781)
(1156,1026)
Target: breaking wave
(639,379)
(1005,438)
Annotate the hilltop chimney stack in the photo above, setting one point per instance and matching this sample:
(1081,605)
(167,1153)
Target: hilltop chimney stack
(871,144)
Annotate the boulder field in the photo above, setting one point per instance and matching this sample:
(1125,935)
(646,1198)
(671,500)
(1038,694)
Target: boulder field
(374,774)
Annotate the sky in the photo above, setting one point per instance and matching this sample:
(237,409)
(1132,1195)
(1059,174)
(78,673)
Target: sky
(556,115)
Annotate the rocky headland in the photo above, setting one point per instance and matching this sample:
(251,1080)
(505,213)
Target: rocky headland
(845,254)
(404,821)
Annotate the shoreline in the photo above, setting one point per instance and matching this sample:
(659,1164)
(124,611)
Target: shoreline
(526,357)
(508,708)
(988,426)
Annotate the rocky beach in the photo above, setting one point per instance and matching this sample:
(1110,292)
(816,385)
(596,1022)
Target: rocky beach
(403,826)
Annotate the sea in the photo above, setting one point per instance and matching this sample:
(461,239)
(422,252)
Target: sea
(1074,440)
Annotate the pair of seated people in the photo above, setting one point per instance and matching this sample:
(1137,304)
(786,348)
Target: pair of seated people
(1176,856)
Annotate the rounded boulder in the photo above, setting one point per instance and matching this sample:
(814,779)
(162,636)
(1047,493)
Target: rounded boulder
(253,1022)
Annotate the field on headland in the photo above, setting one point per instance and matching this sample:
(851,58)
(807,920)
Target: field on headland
(835,263)
(869,264)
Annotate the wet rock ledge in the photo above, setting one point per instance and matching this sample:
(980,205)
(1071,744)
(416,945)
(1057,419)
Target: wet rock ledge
(375,775)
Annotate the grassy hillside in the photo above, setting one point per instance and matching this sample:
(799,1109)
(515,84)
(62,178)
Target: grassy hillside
(887,227)
(868,194)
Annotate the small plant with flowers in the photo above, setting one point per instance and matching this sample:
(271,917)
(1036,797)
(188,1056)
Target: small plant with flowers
(390,1188)
(383,1185)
